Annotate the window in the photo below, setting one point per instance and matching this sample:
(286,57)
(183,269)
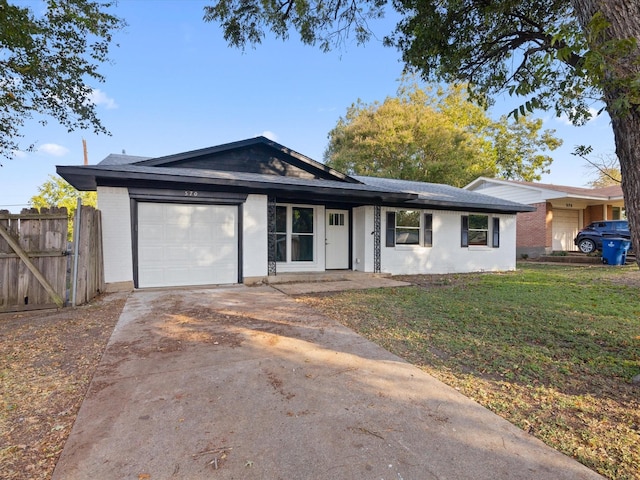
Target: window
(295,237)
(281,234)
(475,231)
(478,229)
(336,219)
(404,226)
(616,213)
(407,227)
(301,234)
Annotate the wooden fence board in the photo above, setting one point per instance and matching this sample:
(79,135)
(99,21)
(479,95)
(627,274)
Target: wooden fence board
(36,281)
(90,278)
(34,261)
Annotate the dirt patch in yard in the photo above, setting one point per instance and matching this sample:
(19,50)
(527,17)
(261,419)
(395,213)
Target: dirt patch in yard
(47,360)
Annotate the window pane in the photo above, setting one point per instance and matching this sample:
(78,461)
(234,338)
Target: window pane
(336,219)
(281,219)
(407,236)
(407,227)
(478,222)
(477,237)
(407,218)
(281,248)
(302,220)
(302,248)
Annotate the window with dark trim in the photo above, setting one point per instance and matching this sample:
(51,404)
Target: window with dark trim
(475,231)
(478,230)
(404,228)
(407,227)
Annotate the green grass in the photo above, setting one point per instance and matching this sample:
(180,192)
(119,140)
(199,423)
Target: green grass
(551,348)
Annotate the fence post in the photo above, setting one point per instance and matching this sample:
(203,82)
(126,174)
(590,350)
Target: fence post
(76,249)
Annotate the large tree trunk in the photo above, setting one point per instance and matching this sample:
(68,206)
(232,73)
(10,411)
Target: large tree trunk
(624,17)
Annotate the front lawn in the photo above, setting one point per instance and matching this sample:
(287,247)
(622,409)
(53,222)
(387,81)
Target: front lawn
(551,348)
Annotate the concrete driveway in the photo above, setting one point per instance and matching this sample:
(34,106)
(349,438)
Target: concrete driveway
(246,383)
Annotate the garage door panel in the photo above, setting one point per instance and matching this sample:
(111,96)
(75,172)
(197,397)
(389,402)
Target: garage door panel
(187,244)
(565,228)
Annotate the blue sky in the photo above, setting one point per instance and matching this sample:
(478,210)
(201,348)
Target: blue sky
(174,85)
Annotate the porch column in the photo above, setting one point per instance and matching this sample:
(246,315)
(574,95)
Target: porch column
(376,238)
(272,238)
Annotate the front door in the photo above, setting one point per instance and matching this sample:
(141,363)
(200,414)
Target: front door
(337,239)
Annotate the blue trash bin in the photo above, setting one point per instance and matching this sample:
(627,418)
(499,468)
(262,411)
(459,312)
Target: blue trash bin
(614,250)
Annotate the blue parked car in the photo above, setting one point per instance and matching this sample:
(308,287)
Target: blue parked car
(589,239)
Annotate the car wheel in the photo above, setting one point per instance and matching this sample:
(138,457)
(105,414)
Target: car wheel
(586,245)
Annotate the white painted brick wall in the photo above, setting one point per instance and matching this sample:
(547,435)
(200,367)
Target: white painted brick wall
(254,240)
(116,234)
(446,255)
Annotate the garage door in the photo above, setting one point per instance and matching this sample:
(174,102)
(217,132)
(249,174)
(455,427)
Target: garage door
(565,228)
(187,244)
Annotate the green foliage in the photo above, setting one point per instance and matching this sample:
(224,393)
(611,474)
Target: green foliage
(552,54)
(534,49)
(56,192)
(326,23)
(436,135)
(47,62)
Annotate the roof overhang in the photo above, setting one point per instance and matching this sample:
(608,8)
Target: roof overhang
(90,177)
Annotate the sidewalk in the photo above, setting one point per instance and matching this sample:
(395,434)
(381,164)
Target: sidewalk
(246,383)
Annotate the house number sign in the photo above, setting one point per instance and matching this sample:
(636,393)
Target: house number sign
(190,193)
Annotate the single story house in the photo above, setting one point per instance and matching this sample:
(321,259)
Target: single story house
(244,211)
(561,211)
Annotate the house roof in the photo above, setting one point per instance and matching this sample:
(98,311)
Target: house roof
(294,157)
(437,194)
(118,159)
(277,171)
(613,192)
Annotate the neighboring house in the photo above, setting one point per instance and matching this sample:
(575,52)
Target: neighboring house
(247,210)
(561,211)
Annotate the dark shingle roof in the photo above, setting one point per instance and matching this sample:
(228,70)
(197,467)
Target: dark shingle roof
(118,159)
(441,195)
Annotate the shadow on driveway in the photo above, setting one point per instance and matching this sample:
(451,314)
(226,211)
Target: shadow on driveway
(246,383)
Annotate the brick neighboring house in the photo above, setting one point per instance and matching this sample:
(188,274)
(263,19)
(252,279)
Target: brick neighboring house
(561,211)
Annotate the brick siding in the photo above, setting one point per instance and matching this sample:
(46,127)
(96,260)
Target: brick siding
(533,230)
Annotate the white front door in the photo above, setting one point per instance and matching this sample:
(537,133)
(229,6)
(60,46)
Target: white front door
(337,239)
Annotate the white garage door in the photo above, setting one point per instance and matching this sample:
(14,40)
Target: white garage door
(187,244)
(565,228)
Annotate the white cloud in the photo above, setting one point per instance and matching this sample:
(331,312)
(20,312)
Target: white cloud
(270,135)
(565,119)
(53,149)
(19,154)
(98,97)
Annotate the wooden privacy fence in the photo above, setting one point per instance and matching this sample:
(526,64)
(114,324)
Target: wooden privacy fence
(36,264)
(88,270)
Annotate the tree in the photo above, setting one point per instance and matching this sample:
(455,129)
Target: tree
(436,135)
(48,62)
(605,168)
(56,192)
(555,54)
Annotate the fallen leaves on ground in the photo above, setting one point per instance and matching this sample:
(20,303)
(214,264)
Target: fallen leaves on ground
(47,360)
